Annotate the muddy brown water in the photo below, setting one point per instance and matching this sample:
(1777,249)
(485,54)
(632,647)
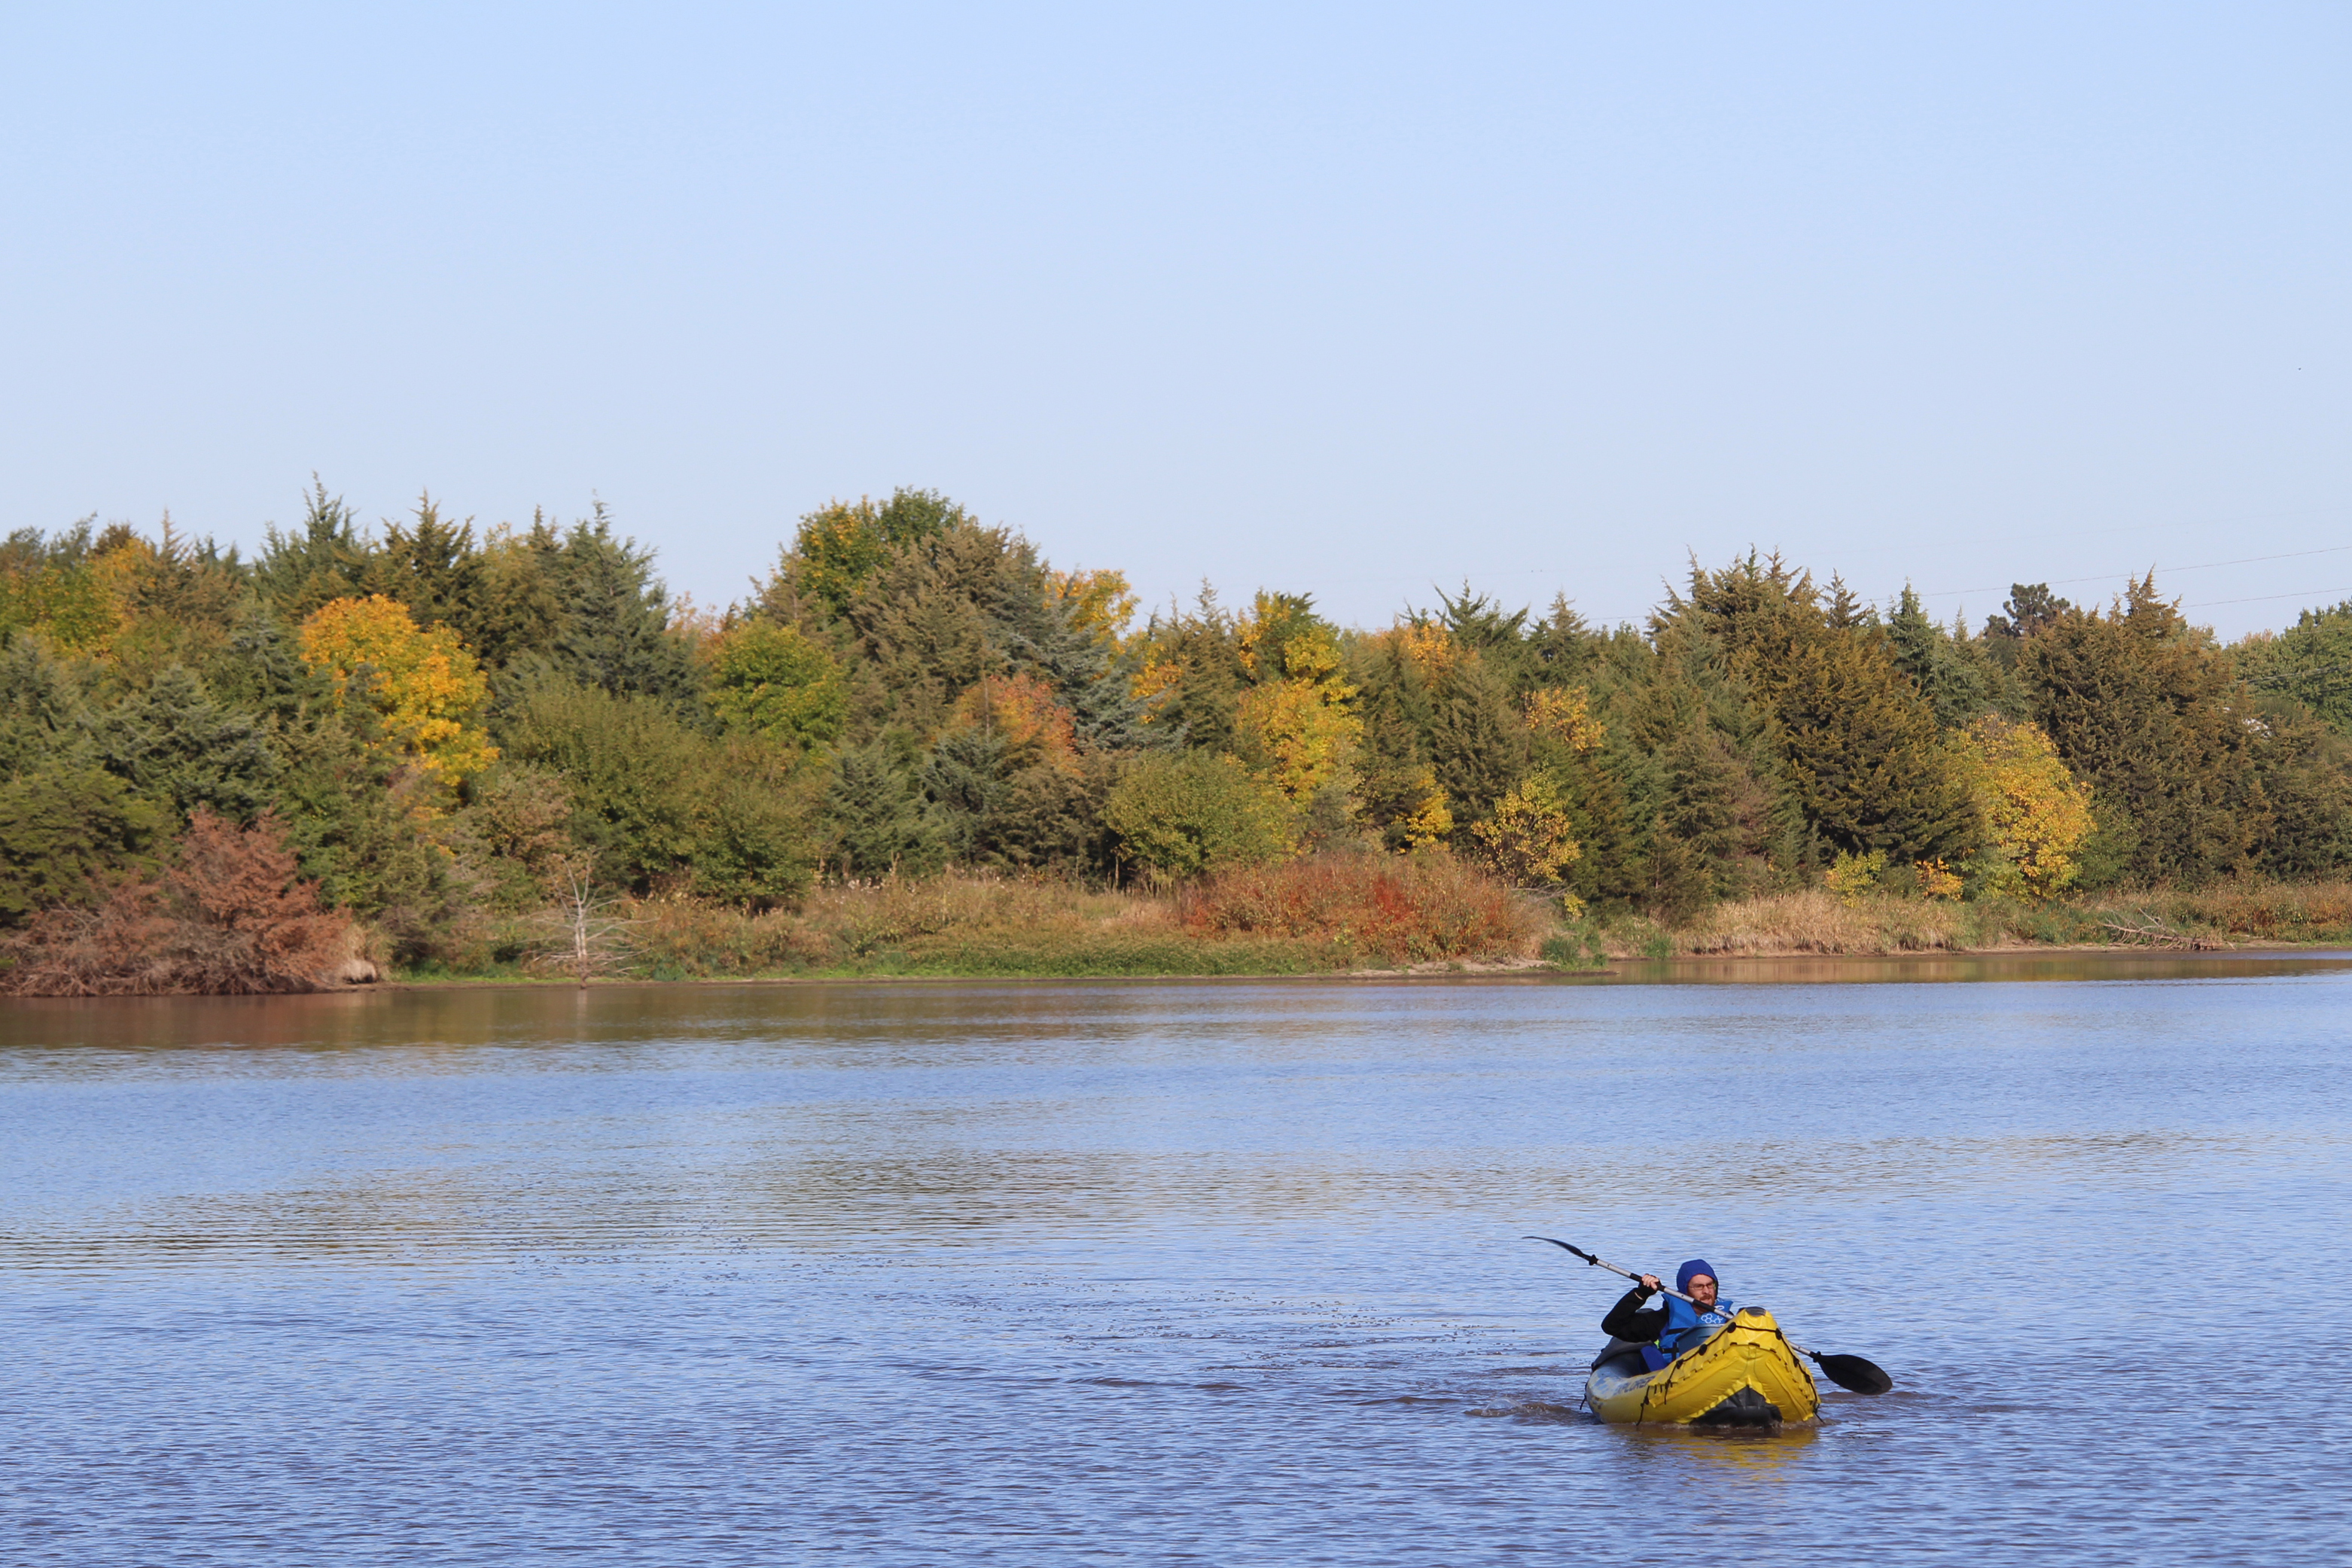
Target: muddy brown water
(1217,1273)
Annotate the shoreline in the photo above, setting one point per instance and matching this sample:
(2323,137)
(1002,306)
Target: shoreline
(1729,967)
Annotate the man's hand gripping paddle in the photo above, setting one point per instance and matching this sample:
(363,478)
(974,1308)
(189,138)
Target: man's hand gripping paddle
(1848,1371)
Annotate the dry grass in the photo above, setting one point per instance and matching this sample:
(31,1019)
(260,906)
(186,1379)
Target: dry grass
(1312,916)
(1374,908)
(1348,912)
(1816,921)
(2256,911)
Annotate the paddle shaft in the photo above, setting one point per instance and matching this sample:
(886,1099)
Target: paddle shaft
(1628,1273)
(1604,1263)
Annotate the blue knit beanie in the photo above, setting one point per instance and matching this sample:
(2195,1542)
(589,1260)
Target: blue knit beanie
(1692,1269)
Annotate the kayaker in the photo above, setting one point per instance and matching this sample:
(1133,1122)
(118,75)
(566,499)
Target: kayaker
(1662,1330)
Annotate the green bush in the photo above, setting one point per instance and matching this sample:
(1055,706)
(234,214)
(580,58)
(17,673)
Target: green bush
(1578,948)
(664,806)
(774,681)
(1195,812)
(62,830)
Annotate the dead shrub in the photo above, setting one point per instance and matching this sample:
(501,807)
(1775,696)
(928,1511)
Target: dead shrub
(230,915)
(1391,909)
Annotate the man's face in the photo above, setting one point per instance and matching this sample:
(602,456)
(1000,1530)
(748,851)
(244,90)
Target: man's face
(1702,1289)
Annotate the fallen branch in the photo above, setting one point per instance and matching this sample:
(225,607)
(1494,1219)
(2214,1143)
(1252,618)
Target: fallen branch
(2153,930)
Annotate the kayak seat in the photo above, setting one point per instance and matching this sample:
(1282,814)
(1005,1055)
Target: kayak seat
(1621,1350)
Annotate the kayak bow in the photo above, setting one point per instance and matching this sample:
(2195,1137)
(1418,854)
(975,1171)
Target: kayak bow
(1745,1373)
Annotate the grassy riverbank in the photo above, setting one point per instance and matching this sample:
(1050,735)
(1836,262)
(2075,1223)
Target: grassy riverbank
(1322,916)
(2260,913)
(1339,917)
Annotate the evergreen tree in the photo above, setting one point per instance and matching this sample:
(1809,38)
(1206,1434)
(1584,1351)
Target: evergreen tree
(841,546)
(2031,608)
(64,823)
(2305,770)
(1477,744)
(614,628)
(171,742)
(2145,711)
(64,829)
(881,821)
(1500,639)
(1859,744)
(1924,651)
(2310,661)
(326,558)
(1844,610)
(1562,648)
(45,718)
(432,566)
(1193,675)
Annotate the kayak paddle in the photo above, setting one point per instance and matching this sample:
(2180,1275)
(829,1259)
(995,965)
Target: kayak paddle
(1848,1371)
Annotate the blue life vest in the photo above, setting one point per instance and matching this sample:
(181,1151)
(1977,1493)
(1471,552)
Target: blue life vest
(1682,1318)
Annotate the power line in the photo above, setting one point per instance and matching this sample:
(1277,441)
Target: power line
(2265,598)
(2200,566)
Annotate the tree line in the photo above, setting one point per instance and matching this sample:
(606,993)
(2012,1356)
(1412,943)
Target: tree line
(437,724)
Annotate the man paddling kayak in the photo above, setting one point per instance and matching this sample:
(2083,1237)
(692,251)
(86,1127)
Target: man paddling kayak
(1665,1331)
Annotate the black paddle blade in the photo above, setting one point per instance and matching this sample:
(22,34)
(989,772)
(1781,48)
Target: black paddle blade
(1854,1374)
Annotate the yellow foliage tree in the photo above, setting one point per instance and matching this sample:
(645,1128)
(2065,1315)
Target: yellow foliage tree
(1297,735)
(424,683)
(1936,879)
(1529,841)
(1297,726)
(1565,718)
(2038,813)
(1854,876)
(1431,647)
(1430,818)
(80,608)
(1282,639)
(1101,603)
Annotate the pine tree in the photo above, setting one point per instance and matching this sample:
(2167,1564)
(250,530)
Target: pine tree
(2145,711)
(1859,744)
(1477,744)
(1924,651)
(615,633)
(171,742)
(327,558)
(881,822)
(432,566)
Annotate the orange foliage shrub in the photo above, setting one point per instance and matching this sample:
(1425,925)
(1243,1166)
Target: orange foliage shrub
(1036,728)
(1398,910)
(230,916)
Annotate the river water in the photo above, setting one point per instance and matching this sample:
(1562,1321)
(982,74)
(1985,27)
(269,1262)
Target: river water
(1215,1273)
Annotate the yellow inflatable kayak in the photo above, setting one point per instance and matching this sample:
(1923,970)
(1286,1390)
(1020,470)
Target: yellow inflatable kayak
(1745,1374)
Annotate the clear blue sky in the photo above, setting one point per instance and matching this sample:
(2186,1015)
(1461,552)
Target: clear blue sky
(1349,300)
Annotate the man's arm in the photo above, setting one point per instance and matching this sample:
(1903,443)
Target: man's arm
(1627,1321)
